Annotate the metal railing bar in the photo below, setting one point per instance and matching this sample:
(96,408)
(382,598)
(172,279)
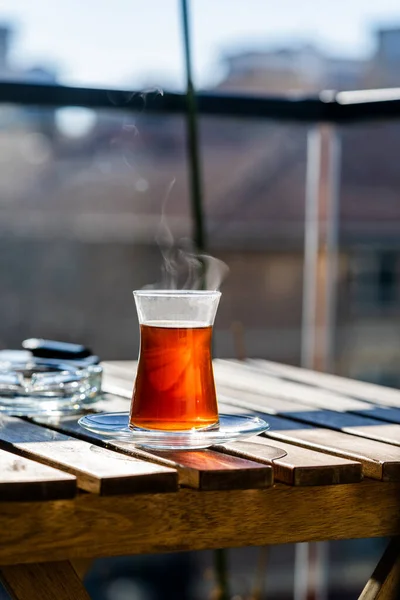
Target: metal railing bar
(332,107)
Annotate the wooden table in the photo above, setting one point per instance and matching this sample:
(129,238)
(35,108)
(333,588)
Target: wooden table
(66,494)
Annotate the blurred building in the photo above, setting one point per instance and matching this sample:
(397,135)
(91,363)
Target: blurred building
(13,72)
(301,68)
(306,69)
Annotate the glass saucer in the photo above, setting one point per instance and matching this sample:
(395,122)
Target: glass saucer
(231,428)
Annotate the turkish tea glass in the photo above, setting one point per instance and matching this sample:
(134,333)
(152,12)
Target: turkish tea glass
(174,388)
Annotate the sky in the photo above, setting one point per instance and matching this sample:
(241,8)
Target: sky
(135,43)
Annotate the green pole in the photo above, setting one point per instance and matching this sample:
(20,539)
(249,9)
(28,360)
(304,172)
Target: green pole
(221,571)
(199,236)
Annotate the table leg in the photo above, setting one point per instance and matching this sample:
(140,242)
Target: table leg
(81,566)
(43,581)
(384,583)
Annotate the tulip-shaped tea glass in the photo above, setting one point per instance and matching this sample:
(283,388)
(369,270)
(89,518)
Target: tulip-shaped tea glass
(174,388)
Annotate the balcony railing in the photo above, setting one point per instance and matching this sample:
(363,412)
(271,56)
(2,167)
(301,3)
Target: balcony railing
(328,107)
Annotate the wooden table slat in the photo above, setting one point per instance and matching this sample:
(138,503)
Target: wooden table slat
(121,368)
(379,460)
(23,479)
(210,470)
(200,469)
(97,470)
(365,427)
(300,466)
(238,382)
(371,392)
(291,397)
(246,376)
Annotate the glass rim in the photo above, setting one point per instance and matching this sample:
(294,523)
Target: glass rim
(177,293)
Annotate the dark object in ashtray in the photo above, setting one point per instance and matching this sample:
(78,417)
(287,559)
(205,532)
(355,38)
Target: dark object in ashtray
(57,350)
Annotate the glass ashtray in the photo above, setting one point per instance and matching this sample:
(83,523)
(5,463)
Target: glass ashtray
(230,428)
(38,387)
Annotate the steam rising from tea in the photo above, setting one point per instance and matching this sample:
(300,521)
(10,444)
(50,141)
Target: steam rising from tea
(182,267)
